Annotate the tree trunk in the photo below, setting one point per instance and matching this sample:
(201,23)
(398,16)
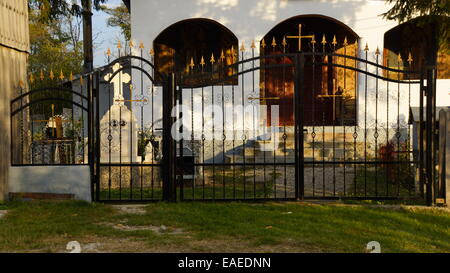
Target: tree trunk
(88,65)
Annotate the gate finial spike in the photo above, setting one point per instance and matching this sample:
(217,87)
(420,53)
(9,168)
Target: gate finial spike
(274,42)
(242,47)
(366,48)
(108,52)
(52,76)
(202,61)
(263,43)
(410,59)
(41,76)
(284,43)
(31,78)
(71,76)
(119,44)
(61,75)
(191,65)
(377,52)
(399,57)
(131,44)
(345,41)
(141,45)
(222,56)
(334,42)
(212,60)
(253,46)
(324,40)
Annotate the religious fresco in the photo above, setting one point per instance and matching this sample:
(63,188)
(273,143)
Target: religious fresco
(330,91)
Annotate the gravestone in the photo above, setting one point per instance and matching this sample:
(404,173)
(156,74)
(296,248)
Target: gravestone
(118,126)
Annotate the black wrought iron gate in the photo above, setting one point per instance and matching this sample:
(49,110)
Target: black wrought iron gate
(272,127)
(129,115)
(356,138)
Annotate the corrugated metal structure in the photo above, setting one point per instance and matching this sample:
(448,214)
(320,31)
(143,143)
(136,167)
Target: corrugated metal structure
(14,50)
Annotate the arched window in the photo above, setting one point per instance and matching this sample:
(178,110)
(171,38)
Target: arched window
(185,43)
(330,91)
(413,38)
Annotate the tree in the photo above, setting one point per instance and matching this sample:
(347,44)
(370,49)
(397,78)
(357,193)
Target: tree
(119,17)
(56,50)
(52,9)
(427,12)
(404,10)
(55,46)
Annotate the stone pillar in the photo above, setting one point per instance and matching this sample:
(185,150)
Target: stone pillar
(444,156)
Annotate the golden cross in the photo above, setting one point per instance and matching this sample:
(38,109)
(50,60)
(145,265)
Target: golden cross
(131,95)
(266,98)
(53,114)
(52,119)
(329,96)
(299,37)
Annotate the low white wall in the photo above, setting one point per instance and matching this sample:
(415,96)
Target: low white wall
(52,179)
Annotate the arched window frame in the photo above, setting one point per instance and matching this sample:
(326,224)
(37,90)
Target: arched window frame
(204,56)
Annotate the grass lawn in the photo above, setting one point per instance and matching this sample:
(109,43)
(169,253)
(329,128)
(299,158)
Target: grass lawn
(222,227)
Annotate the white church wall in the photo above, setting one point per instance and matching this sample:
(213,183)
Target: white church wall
(443,92)
(251,19)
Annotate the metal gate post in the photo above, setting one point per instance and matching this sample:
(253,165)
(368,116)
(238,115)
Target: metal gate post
(430,135)
(93,135)
(179,172)
(421,136)
(299,114)
(435,135)
(168,164)
(91,149)
(97,132)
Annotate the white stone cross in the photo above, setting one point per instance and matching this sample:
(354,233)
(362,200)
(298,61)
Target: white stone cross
(118,81)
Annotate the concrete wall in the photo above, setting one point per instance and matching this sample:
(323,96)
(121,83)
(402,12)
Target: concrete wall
(52,179)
